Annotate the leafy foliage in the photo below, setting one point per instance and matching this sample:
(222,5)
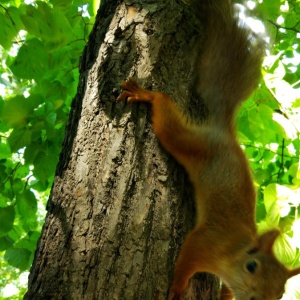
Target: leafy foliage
(269,130)
(40,46)
(41,43)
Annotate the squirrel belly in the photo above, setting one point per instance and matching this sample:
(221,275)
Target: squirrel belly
(224,241)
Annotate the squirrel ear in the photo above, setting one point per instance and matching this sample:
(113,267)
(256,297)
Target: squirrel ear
(267,239)
(294,272)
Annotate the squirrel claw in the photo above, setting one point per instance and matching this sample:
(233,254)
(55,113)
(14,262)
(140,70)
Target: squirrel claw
(130,90)
(133,92)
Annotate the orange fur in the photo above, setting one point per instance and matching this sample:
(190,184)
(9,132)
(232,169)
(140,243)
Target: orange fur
(224,241)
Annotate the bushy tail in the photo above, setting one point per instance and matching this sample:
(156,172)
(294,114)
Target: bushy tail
(229,63)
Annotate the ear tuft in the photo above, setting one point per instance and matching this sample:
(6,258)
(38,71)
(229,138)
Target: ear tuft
(267,239)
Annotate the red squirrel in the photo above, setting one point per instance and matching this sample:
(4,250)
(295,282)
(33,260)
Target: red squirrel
(225,241)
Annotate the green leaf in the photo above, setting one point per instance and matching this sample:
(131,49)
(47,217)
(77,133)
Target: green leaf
(34,236)
(16,111)
(43,63)
(10,26)
(22,171)
(18,258)
(55,32)
(262,176)
(294,171)
(27,208)
(260,212)
(14,16)
(31,152)
(4,151)
(7,217)
(6,243)
(27,204)
(272,208)
(30,19)
(287,127)
(51,118)
(270,9)
(29,242)
(29,223)
(44,165)
(19,138)
(31,61)
(18,185)
(284,249)
(41,186)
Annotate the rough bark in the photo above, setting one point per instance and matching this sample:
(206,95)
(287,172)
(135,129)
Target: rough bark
(120,206)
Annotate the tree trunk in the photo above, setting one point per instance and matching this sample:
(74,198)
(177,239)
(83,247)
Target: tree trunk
(120,206)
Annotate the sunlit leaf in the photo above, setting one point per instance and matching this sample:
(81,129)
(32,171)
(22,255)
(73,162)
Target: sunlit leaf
(284,249)
(272,207)
(287,126)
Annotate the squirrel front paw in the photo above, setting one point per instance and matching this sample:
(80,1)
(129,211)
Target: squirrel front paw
(133,92)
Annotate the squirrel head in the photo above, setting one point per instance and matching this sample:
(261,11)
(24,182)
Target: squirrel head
(256,274)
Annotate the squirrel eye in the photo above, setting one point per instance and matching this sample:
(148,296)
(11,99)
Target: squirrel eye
(251,266)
